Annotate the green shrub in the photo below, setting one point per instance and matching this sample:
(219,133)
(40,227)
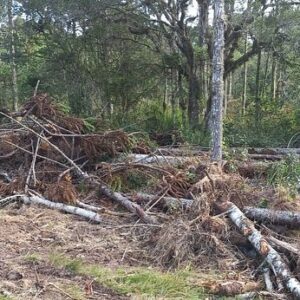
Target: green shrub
(286,173)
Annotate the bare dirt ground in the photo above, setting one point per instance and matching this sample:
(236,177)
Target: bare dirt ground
(30,232)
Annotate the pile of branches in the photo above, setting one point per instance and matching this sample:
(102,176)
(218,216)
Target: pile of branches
(195,212)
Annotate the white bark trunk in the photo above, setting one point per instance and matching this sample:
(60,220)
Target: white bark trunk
(62,207)
(217,81)
(262,247)
(168,202)
(157,159)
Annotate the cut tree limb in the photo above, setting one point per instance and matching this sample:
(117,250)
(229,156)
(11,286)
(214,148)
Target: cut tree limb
(62,207)
(125,202)
(283,246)
(132,207)
(262,246)
(159,159)
(288,218)
(169,202)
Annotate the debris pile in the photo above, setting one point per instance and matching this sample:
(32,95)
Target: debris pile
(194,212)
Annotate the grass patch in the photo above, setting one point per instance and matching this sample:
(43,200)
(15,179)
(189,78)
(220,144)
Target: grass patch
(74,291)
(3,297)
(32,258)
(145,282)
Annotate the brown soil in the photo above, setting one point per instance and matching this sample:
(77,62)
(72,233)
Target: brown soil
(41,232)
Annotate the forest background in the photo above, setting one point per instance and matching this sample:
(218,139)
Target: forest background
(146,65)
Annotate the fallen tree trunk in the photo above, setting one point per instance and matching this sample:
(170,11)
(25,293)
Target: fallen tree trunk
(159,159)
(288,218)
(169,202)
(274,151)
(182,152)
(272,257)
(62,207)
(271,157)
(125,202)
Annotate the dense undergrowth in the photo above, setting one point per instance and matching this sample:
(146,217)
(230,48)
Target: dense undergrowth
(277,127)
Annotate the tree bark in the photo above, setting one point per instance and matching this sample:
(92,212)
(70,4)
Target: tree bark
(62,207)
(218,81)
(158,159)
(257,91)
(262,247)
(203,6)
(287,218)
(182,100)
(125,202)
(169,202)
(12,51)
(274,79)
(245,74)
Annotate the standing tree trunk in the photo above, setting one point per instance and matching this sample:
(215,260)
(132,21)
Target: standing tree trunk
(203,6)
(218,81)
(244,99)
(274,79)
(182,100)
(226,95)
(257,91)
(12,52)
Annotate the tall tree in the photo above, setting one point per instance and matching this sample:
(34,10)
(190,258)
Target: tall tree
(12,52)
(218,81)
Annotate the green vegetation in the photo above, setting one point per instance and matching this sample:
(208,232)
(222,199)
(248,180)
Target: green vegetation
(3,297)
(286,173)
(113,65)
(145,282)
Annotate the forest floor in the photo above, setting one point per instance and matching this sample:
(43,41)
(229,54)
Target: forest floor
(144,222)
(45,254)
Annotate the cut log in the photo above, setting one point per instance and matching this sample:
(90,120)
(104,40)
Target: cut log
(125,202)
(274,151)
(271,157)
(262,246)
(169,202)
(264,215)
(62,207)
(181,152)
(156,159)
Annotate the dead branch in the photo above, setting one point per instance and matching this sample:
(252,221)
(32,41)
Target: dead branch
(33,199)
(267,279)
(88,207)
(32,168)
(262,246)
(40,156)
(8,200)
(155,159)
(125,202)
(169,202)
(283,246)
(287,218)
